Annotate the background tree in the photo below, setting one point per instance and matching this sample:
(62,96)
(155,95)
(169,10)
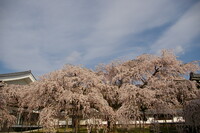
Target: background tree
(73,90)
(191,114)
(9,95)
(150,82)
(118,92)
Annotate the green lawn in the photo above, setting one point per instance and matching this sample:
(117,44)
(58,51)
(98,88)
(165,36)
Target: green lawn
(118,130)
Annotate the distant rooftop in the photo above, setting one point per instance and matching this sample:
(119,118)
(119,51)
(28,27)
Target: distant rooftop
(18,77)
(15,73)
(194,76)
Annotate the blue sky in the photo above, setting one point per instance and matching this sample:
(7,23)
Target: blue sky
(44,35)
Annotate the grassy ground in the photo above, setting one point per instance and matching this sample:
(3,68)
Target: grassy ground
(118,130)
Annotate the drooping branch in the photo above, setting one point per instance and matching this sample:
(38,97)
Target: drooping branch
(156,70)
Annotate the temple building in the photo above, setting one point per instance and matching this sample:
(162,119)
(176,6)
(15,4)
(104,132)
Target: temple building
(18,78)
(195,77)
(21,78)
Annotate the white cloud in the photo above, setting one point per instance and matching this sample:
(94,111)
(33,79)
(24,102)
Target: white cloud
(180,35)
(73,57)
(120,19)
(45,35)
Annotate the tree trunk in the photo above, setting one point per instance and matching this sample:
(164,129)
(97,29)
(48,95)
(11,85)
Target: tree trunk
(58,125)
(166,124)
(143,126)
(140,126)
(135,123)
(115,127)
(66,124)
(8,129)
(75,124)
(108,125)
(4,127)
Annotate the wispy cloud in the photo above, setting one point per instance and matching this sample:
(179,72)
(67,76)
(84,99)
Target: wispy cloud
(182,33)
(44,35)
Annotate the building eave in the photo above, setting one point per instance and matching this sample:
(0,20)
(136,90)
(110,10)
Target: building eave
(18,76)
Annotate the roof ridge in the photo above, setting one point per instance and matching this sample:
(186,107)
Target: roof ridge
(16,73)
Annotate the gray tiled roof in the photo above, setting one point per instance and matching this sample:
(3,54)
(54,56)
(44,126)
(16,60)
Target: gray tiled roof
(194,76)
(17,74)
